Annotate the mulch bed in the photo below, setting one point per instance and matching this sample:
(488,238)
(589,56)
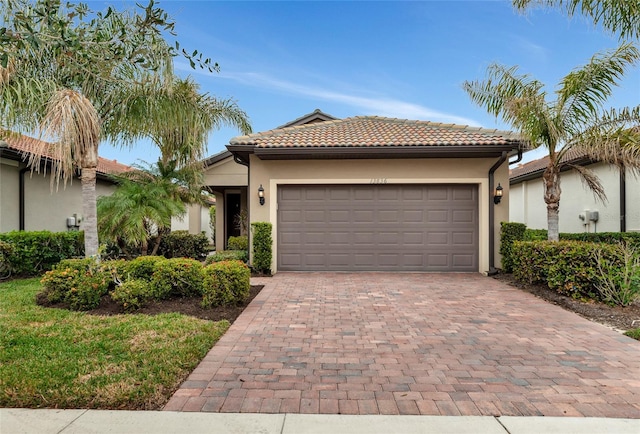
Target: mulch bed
(617,317)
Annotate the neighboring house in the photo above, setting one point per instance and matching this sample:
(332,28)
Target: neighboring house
(580,211)
(196,220)
(27,201)
(369,193)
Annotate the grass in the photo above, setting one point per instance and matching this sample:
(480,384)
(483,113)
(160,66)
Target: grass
(60,359)
(633,333)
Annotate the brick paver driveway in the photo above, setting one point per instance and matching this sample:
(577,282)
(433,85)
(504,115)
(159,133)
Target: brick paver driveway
(447,344)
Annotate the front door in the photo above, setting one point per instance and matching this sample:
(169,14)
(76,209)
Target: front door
(232,209)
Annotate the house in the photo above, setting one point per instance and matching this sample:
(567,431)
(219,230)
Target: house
(27,201)
(580,211)
(369,193)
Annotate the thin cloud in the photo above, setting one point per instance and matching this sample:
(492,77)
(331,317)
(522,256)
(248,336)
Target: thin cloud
(367,105)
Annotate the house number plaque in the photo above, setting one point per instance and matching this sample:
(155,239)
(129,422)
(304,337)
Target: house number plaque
(378,181)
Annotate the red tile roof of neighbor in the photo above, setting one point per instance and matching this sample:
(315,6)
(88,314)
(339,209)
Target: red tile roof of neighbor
(26,145)
(375,131)
(532,167)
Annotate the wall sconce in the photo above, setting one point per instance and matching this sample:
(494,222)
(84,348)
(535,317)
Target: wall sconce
(261,194)
(497,197)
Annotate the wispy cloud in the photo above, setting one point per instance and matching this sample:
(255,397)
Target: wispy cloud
(366,105)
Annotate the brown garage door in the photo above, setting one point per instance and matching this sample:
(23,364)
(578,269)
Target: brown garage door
(378,227)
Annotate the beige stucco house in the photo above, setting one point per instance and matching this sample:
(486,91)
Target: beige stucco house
(580,211)
(369,193)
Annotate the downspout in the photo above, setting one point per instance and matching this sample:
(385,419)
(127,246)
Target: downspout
(492,269)
(21,201)
(623,199)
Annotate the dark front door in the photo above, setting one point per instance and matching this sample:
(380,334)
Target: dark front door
(232,209)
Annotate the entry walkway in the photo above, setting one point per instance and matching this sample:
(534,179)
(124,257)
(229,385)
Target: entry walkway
(413,344)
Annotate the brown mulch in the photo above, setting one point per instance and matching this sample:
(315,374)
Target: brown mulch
(187,306)
(617,317)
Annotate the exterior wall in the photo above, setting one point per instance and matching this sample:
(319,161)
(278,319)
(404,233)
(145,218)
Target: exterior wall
(9,195)
(194,226)
(48,210)
(226,173)
(528,207)
(271,173)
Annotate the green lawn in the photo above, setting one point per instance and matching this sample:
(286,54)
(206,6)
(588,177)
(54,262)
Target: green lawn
(60,359)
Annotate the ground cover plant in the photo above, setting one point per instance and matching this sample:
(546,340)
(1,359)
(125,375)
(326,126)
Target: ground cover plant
(57,358)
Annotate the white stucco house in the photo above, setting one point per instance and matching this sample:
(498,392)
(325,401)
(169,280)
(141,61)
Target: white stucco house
(580,211)
(369,193)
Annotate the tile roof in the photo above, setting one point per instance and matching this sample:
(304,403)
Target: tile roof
(26,145)
(535,166)
(375,131)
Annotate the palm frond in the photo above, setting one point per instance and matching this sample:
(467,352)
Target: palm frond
(591,181)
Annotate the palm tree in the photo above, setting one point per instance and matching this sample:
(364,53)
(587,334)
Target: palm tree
(574,120)
(617,16)
(67,78)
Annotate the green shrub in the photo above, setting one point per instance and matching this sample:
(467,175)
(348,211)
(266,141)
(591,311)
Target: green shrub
(132,294)
(141,267)
(630,238)
(226,283)
(262,246)
(6,250)
(177,277)
(182,244)
(79,282)
(633,333)
(238,243)
(618,273)
(509,232)
(227,255)
(535,235)
(35,252)
(532,259)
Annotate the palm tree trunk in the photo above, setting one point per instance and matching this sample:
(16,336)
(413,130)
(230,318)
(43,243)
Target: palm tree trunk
(551,181)
(88,180)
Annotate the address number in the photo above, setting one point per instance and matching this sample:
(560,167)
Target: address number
(378,181)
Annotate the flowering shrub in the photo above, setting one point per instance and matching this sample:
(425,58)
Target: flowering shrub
(141,267)
(79,282)
(226,282)
(132,294)
(180,277)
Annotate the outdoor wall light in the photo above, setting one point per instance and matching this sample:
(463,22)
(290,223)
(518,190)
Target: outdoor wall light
(261,194)
(497,197)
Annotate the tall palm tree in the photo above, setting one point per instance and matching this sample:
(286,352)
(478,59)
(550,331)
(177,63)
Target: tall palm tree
(618,16)
(68,78)
(576,118)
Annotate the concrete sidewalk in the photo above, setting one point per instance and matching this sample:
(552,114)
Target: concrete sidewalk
(103,421)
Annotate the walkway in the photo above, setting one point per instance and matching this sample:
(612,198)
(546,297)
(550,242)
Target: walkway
(429,344)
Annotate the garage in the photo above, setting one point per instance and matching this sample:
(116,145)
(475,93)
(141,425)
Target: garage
(379,227)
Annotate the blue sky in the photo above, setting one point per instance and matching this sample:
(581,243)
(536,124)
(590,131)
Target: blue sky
(282,59)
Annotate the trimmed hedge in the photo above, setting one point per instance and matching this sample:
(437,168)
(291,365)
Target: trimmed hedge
(238,243)
(79,282)
(132,294)
(569,267)
(177,277)
(182,244)
(226,283)
(630,238)
(227,255)
(141,267)
(36,252)
(262,247)
(509,232)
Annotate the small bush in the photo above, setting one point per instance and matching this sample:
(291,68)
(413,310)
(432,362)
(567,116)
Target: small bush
(141,267)
(225,283)
(262,246)
(79,282)
(238,243)
(531,260)
(132,294)
(227,255)
(177,277)
(618,274)
(35,252)
(633,333)
(182,244)
(509,232)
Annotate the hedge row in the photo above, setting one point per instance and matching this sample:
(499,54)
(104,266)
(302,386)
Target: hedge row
(81,283)
(32,253)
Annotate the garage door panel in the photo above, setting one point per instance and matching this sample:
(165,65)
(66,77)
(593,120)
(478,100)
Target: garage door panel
(378,227)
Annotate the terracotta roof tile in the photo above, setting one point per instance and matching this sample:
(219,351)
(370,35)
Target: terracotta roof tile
(374,131)
(26,145)
(522,170)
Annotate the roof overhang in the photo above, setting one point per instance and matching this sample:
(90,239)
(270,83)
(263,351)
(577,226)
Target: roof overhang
(583,161)
(242,152)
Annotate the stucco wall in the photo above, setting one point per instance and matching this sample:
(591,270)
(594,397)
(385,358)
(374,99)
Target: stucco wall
(226,173)
(271,173)
(528,207)
(194,226)
(9,197)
